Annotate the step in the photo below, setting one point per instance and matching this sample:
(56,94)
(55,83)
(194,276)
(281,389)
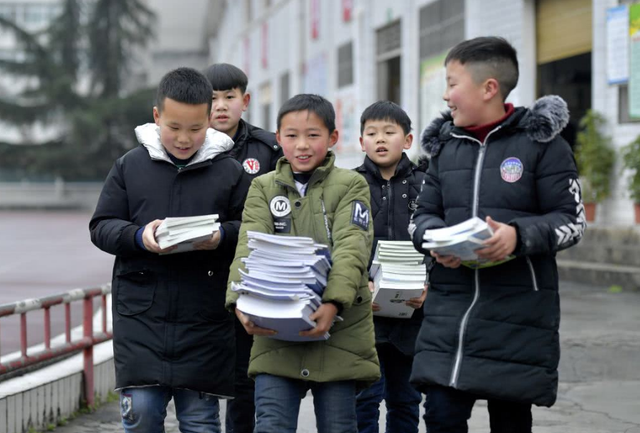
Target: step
(599,273)
(617,245)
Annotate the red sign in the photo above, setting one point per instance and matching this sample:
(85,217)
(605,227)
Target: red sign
(347,10)
(315,19)
(247,55)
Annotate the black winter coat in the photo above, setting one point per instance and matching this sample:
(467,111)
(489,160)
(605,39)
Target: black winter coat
(392,204)
(494,331)
(170,325)
(256,149)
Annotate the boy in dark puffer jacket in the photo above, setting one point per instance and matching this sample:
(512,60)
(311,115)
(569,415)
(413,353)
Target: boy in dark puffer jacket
(492,333)
(394,182)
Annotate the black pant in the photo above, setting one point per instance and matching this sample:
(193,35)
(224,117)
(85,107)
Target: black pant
(241,410)
(447,410)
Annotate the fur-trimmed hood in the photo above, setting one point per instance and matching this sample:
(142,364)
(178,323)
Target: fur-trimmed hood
(215,143)
(541,122)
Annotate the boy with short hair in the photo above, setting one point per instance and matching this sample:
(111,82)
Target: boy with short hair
(256,149)
(331,205)
(172,336)
(492,333)
(258,152)
(394,182)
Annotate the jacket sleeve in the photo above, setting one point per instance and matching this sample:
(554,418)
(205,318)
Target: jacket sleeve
(275,156)
(561,222)
(429,213)
(351,246)
(256,217)
(110,228)
(231,227)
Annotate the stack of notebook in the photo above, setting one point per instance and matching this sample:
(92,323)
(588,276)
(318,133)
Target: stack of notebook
(462,240)
(184,232)
(398,273)
(283,283)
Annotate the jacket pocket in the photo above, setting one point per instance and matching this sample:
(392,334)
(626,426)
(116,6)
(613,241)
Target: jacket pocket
(533,274)
(135,292)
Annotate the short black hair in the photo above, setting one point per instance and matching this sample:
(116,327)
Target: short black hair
(386,110)
(314,104)
(224,76)
(488,57)
(184,85)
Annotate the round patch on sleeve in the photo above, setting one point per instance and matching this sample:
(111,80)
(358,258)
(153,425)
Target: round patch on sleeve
(251,165)
(511,169)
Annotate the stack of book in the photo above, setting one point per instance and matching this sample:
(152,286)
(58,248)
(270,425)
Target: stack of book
(398,274)
(283,283)
(461,240)
(184,232)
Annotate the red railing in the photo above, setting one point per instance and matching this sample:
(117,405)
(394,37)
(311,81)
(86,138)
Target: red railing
(86,343)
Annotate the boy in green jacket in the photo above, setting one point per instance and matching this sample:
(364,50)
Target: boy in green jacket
(308,196)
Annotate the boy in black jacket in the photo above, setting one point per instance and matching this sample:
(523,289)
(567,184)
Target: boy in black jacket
(394,182)
(492,333)
(172,336)
(258,151)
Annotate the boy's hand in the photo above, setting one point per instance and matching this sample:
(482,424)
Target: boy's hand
(323,317)
(416,303)
(149,238)
(501,244)
(251,328)
(372,288)
(447,261)
(210,244)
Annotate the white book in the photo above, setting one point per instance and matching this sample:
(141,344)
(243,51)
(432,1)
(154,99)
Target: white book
(287,318)
(184,232)
(391,296)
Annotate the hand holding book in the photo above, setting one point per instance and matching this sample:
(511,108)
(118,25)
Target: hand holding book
(501,244)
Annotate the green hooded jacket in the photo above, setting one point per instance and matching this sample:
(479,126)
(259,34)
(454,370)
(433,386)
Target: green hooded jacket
(349,354)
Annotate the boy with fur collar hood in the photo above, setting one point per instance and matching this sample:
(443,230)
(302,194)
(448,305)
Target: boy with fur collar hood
(492,333)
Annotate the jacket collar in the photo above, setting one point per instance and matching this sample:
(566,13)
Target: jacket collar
(542,122)
(215,143)
(404,168)
(284,174)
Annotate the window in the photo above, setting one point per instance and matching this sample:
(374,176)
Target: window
(345,64)
(388,40)
(441,27)
(623,105)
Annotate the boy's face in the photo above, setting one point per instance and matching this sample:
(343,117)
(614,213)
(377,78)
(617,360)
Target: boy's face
(465,97)
(183,127)
(384,141)
(227,109)
(305,140)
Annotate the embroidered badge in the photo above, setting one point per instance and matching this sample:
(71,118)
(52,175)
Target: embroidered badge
(511,170)
(251,165)
(280,206)
(360,215)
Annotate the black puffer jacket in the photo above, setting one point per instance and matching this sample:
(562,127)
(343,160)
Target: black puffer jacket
(170,325)
(256,149)
(494,331)
(392,204)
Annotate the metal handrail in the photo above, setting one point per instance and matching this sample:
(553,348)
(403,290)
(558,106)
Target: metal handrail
(86,343)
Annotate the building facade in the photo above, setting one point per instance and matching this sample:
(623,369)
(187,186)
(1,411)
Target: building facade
(355,52)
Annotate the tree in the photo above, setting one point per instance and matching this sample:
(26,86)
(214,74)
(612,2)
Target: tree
(95,126)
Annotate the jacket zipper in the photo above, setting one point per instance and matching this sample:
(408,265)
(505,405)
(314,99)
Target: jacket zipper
(455,372)
(389,213)
(533,275)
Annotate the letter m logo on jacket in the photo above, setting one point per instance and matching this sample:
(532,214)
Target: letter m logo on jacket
(360,215)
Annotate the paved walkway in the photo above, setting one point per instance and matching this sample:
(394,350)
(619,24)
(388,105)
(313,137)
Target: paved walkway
(600,378)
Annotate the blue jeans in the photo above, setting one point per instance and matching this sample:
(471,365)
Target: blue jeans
(447,410)
(278,404)
(401,399)
(143,410)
